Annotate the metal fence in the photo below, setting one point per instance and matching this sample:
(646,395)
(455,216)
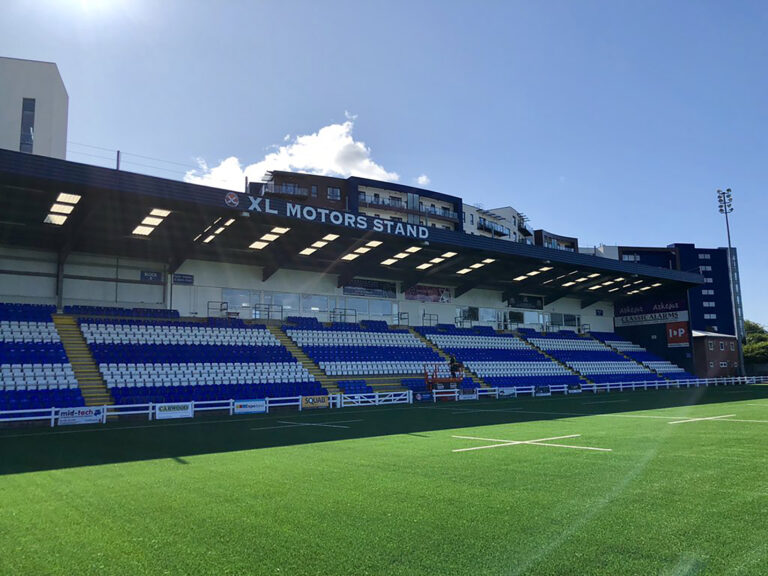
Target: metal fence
(172,410)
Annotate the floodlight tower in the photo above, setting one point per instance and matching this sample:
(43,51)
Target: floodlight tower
(725,206)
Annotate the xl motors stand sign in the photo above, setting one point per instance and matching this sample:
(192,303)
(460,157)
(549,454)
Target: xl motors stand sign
(173,410)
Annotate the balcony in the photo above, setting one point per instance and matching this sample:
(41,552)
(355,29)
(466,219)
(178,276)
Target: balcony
(493,228)
(524,228)
(286,190)
(399,206)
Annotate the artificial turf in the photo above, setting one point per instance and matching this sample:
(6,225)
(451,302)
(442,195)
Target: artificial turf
(387,494)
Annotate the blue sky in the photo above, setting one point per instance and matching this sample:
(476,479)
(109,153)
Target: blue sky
(611,121)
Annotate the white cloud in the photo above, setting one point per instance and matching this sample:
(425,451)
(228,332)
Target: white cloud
(423,180)
(331,151)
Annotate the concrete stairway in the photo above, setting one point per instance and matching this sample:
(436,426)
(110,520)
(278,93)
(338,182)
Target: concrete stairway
(467,372)
(303,359)
(86,371)
(555,360)
(620,353)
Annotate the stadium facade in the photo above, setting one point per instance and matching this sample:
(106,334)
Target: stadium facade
(310,249)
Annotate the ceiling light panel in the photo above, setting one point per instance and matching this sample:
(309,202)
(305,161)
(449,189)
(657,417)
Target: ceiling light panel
(389,261)
(143,230)
(62,208)
(151,221)
(57,219)
(68,198)
(258,245)
(159,212)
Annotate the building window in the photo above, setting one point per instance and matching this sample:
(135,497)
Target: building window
(708,304)
(704,256)
(722,345)
(707,280)
(710,316)
(711,364)
(723,364)
(334,193)
(705,268)
(711,345)
(471,218)
(313,191)
(27,138)
(733,347)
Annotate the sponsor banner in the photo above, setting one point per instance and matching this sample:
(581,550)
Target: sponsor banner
(310,402)
(651,307)
(574,388)
(151,277)
(677,335)
(422,396)
(648,319)
(542,391)
(370,288)
(83,415)
(250,407)
(504,392)
(168,411)
(184,279)
(469,394)
(428,293)
(526,302)
(278,207)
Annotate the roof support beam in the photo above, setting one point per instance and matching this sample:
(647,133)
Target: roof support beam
(268,271)
(462,289)
(586,302)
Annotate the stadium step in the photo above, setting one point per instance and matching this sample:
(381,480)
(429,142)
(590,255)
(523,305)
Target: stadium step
(467,372)
(555,360)
(92,387)
(620,353)
(303,359)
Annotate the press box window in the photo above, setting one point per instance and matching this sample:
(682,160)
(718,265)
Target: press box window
(27,137)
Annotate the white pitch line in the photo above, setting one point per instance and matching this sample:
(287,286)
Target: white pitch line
(702,419)
(337,424)
(761,405)
(605,402)
(506,442)
(738,420)
(574,447)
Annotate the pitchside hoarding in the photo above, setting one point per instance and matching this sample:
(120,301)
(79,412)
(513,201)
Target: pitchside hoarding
(310,402)
(84,415)
(173,410)
(250,407)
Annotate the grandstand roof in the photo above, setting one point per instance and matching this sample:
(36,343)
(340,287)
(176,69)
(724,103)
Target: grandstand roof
(113,203)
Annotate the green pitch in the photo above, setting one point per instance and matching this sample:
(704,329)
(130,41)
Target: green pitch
(641,488)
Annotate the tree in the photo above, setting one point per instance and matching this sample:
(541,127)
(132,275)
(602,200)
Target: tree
(756,348)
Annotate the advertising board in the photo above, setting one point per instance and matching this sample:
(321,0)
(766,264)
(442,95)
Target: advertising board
(171,410)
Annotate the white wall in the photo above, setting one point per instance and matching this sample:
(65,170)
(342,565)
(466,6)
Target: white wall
(109,281)
(21,79)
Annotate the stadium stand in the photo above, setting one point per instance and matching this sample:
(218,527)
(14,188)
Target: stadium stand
(34,369)
(591,358)
(346,349)
(165,360)
(502,360)
(641,355)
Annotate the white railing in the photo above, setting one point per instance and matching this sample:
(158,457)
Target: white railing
(156,411)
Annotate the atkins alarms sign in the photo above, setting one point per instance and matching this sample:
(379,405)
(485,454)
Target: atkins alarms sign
(261,204)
